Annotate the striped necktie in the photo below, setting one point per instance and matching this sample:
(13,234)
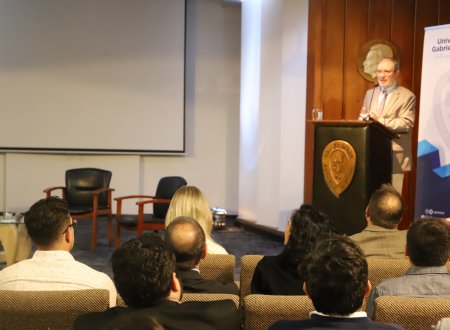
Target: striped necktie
(382,102)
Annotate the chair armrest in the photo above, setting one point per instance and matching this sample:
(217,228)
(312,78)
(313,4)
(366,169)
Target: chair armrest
(95,194)
(100,190)
(152,201)
(121,198)
(48,191)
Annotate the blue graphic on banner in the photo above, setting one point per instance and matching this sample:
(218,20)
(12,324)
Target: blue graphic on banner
(433,183)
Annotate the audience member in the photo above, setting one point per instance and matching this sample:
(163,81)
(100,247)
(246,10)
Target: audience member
(190,201)
(336,280)
(135,321)
(144,273)
(427,246)
(52,267)
(187,239)
(281,274)
(381,238)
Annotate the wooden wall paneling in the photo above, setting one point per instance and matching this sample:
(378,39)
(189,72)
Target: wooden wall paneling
(444,12)
(380,15)
(356,34)
(333,58)
(402,35)
(426,12)
(313,91)
(402,32)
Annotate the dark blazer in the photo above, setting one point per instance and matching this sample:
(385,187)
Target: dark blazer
(276,276)
(194,282)
(318,322)
(215,315)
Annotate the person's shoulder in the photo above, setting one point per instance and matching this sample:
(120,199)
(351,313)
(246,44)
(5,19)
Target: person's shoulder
(405,91)
(95,320)
(383,326)
(290,324)
(226,304)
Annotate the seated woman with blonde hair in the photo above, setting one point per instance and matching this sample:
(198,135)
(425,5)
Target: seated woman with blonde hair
(190,201)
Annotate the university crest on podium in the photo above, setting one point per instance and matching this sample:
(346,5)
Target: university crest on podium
(338,165)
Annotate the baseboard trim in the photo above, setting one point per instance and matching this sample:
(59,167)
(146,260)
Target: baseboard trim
(252,226)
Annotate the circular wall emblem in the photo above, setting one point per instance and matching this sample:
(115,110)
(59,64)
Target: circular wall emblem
(338,165)
(371,53)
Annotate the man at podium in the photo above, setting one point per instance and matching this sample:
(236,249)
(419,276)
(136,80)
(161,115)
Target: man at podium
(393,106)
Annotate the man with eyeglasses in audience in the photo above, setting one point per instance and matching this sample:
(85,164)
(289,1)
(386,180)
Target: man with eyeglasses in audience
(393,106)
(52,267)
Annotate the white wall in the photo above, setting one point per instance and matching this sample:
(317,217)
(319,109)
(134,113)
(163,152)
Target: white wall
(212,126)
(273,101)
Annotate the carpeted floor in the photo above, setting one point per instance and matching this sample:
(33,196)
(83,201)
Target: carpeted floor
(236,240)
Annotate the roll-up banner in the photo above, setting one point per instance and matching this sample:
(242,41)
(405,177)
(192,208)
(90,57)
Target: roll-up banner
(433,152)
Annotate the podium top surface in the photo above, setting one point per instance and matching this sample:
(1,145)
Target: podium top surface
(357,123)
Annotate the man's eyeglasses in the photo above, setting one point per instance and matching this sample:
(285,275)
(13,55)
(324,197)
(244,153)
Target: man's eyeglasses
(385,71)
(73,224)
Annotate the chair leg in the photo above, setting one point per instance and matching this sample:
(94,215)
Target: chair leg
(94,233)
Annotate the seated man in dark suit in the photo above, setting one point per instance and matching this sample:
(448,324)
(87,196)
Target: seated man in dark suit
(336,280)
(144,274)
(381,238)
(427,246)
(187,240)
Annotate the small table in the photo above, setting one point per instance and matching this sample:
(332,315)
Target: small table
(14,238)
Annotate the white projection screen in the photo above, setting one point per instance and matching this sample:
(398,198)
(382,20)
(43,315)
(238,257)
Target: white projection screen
(91,76)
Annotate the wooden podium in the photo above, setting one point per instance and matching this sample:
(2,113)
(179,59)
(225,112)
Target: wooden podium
(352,159)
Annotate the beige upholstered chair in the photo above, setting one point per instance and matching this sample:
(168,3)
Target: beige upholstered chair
(196,297)
(261,311)
(119,301)
(380,269)
(384,268)
(412,313)
(210,297)
(48,309)
(248,264)
(218,267)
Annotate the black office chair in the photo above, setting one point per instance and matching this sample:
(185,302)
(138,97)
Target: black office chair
(167,187)
(88,195)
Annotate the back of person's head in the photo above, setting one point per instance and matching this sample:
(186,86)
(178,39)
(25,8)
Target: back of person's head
(134,320)
(46,220)
(190,201)
(143,269)
(307,224)
(427,242)
(187,240)
(336,275)
(385,207)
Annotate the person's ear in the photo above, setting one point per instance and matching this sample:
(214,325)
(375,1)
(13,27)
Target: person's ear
(406,251)
(175,288)
(175,285)
(204,251)
(305,289)
(368,289)
(287,232)
(67,236)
